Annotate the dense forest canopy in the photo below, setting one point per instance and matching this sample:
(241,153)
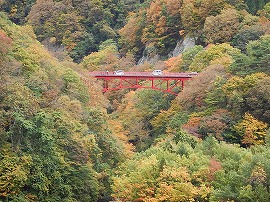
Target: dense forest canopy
(61,139)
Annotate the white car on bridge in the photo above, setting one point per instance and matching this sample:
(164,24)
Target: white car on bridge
(118,72)
(157,72)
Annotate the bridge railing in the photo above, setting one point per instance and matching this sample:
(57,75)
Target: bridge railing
(167,74)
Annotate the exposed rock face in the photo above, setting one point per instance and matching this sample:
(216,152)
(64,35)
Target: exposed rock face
(151,57)
(182,45)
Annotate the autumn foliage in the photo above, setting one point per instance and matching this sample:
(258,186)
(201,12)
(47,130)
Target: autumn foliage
(62,139)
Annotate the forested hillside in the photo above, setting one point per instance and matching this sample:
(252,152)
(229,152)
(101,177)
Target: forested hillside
(62,139)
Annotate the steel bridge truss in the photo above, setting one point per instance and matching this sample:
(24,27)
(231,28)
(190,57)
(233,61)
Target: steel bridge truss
(172,83)
(171,86)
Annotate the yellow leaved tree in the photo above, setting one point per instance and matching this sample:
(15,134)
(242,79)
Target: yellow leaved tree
(251,130)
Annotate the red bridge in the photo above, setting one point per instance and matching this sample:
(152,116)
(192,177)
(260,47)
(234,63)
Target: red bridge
(171,83)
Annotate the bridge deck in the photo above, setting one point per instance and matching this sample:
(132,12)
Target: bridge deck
(142,75)
(167,82)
